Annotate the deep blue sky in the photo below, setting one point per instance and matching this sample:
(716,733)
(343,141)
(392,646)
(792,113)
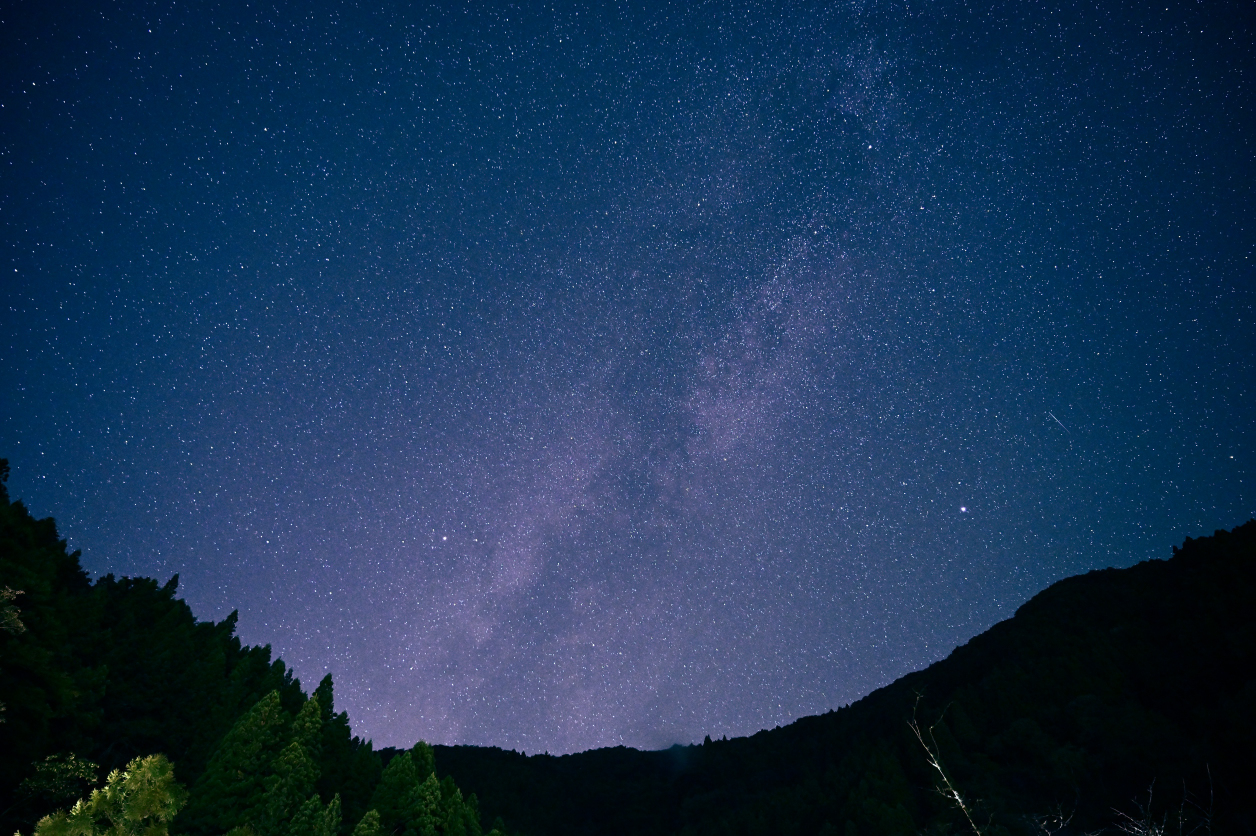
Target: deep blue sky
(562,377)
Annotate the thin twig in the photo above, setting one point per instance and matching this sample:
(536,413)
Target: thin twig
(947,789)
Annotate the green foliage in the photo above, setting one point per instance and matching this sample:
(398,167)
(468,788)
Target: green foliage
(232,790)
(140,801)
(58,779)
(422,809)
(458,816)
(392,794)
(369,825)
(10,615)
(105,671)
(1097,687)
(111,670)
(293,774)
(347,765)
(411,801)
(307,727)
(313,819)
(41,681)
(424,759)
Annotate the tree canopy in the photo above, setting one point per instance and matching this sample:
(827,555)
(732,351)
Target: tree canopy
(118,676)
(1099,687)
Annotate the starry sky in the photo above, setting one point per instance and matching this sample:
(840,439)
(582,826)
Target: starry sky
(570,376)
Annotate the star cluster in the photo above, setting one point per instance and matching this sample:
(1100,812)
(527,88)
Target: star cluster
(562,377)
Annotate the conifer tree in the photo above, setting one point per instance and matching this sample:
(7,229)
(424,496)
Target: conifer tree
(307,727)
(424,760)
(408,797)
(313,819)
(459,816)
(231,791)
(293,774)
(451,809)
(346,765)
(392,794)
(369,825)
(425,808)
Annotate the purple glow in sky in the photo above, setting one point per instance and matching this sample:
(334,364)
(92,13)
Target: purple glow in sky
(560,378)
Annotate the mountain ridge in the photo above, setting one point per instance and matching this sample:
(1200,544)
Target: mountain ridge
(1123,663)
(1098,688)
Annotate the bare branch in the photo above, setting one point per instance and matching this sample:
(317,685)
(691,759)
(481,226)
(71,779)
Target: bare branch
(947,788)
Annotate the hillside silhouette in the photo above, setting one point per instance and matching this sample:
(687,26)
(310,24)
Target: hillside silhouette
(101,676)
(1101,688)
(1119,692)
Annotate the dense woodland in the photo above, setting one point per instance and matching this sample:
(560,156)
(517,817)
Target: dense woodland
(1117,698)
(96,675)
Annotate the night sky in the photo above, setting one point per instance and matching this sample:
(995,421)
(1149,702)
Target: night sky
(564,377)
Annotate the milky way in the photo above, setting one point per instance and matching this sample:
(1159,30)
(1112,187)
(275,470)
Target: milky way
(561,378)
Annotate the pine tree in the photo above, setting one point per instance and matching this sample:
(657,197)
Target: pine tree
(409,798)
(452,809)
(140,801)
(424,760)
(369,825)
(293,774)
(312,819)
(358,773)
(459,816)
(346,764)
(424,808)
(307,727)
(230,792)
(392,795)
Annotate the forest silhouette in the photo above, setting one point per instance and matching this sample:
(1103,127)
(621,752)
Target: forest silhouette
(1122,698)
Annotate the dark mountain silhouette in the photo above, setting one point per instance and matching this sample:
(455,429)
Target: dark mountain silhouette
(1100,688)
